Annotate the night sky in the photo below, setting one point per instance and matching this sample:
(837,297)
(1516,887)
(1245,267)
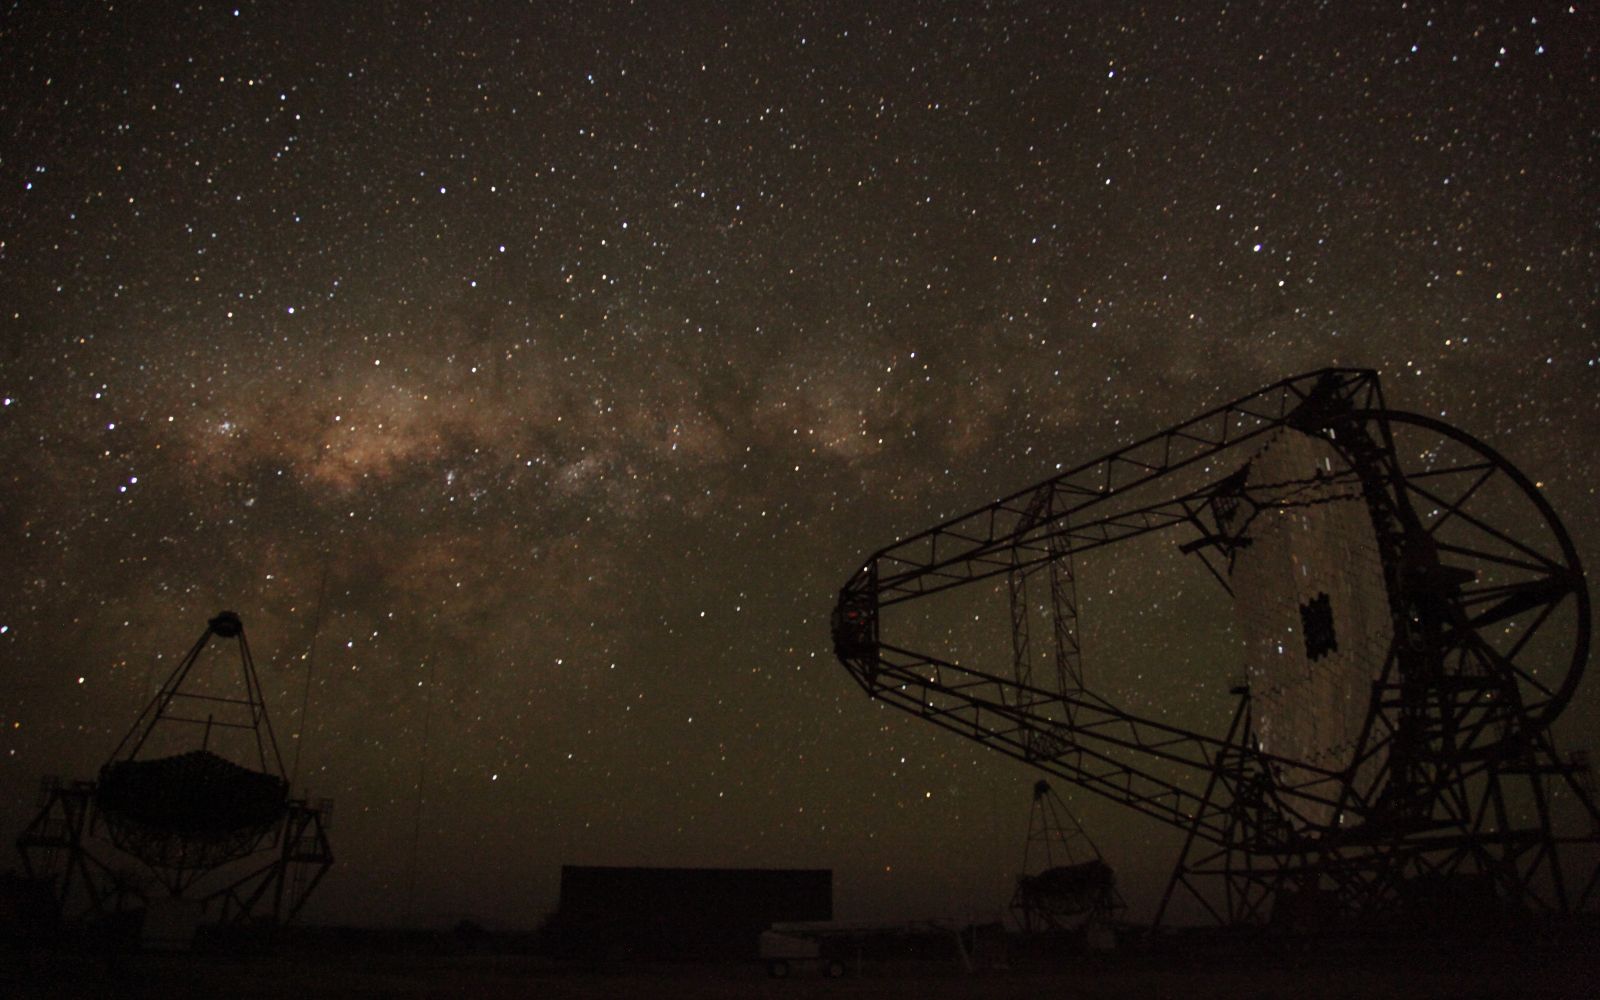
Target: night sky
(585,349)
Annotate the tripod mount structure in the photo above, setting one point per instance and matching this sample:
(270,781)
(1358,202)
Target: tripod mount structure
(1408,618)
(193,806)
(1066,883)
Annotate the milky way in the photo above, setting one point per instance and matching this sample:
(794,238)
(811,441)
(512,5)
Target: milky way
(562,360)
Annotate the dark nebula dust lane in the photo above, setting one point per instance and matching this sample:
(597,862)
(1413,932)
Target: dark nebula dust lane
(529,377)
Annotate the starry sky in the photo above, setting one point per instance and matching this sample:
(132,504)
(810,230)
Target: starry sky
(530,376)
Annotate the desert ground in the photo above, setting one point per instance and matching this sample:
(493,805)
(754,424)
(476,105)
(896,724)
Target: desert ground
(1551,969)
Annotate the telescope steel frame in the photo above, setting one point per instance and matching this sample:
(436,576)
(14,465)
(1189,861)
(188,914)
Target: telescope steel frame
(1453,721)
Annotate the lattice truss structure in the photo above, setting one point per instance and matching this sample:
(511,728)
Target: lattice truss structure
(1408,618)
(192,805)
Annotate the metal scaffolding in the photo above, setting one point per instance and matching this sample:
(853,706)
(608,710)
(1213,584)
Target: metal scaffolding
(1411,618)
(195,825)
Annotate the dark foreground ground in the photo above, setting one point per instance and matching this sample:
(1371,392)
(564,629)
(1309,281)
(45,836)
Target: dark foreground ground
(1551,969)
